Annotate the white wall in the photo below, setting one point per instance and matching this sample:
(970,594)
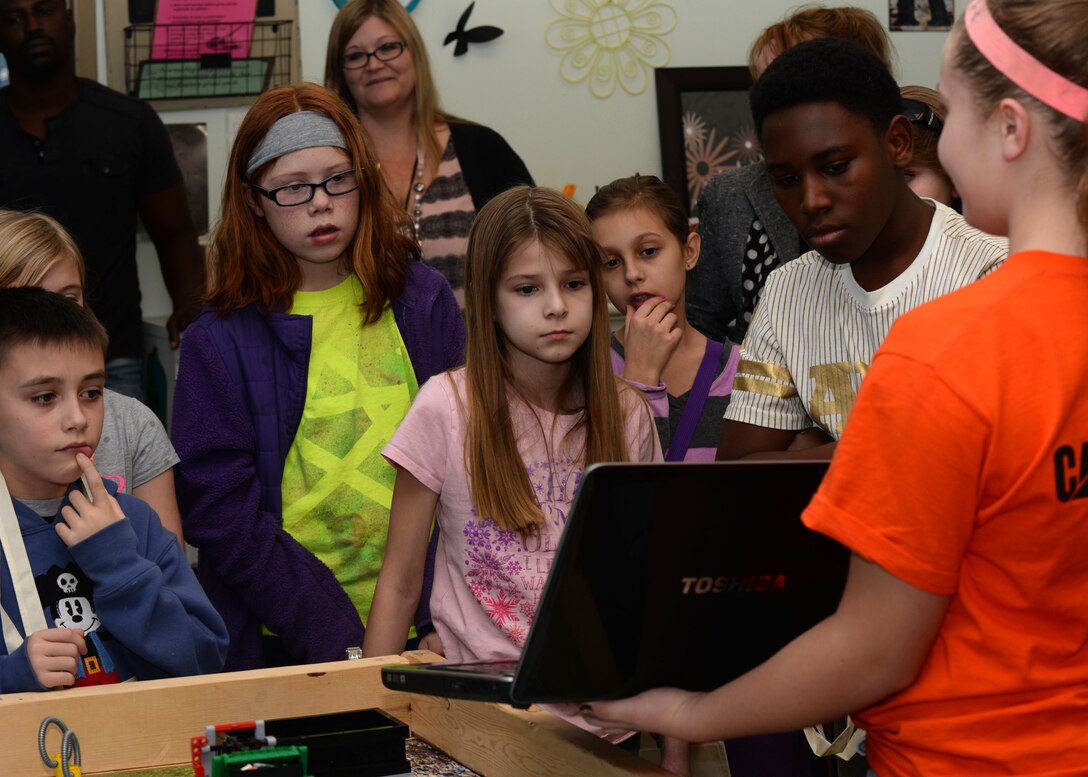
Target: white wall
(564,134)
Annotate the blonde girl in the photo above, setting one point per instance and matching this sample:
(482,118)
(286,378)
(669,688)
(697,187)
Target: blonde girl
(440,168)
(960,481)
(498,446)
(134,452)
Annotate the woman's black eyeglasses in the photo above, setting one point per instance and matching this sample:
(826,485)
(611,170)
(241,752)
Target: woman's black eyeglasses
(386,52)
(301,193)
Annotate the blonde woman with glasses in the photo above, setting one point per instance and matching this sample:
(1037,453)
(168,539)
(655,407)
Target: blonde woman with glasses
(440,168)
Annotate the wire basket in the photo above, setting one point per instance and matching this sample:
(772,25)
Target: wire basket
(204,60)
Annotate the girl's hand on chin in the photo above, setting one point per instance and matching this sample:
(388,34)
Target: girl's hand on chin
(650,337)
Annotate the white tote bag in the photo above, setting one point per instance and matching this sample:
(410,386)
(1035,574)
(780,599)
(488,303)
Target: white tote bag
(22,578)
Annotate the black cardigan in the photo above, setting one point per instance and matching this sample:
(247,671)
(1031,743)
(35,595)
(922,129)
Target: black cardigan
(488,163)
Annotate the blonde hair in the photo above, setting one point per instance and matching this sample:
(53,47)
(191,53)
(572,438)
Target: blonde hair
(32,244)
(427,111)
(500,484)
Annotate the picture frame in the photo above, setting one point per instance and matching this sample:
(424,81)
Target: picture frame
(921,15)
(705,125)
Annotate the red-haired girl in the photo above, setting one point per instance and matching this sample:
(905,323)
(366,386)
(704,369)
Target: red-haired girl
(320,327)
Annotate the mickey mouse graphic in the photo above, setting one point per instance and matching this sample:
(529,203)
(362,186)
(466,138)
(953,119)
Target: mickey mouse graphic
(69,598)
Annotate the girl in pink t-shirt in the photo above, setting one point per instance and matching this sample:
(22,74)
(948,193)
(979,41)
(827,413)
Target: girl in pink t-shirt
(496,448)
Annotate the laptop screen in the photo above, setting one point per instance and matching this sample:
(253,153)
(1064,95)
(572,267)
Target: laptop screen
(660,563)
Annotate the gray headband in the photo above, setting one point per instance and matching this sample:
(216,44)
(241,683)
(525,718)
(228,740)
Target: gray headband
(294,132)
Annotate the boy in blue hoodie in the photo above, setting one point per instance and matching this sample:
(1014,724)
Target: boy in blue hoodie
(93,589)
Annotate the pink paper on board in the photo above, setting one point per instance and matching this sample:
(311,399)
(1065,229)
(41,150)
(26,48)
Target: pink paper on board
(188,29)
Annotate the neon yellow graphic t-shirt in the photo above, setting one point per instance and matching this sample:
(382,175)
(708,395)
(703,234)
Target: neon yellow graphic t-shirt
(337,487)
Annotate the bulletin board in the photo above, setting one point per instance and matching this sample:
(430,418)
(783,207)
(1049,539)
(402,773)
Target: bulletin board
(230,65)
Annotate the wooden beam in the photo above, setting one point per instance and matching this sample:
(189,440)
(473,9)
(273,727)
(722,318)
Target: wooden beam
(149,723)
(495,739)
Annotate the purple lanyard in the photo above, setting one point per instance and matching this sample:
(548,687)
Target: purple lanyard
(700,390)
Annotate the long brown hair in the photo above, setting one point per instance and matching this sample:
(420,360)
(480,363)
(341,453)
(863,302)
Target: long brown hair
(645,191)
(248,265)
(347,22)
(815,21)
(1054,33)
(500,485)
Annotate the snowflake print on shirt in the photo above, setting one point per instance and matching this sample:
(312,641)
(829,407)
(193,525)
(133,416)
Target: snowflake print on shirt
(491,569)
(501,607)
(505,571)
(516,634)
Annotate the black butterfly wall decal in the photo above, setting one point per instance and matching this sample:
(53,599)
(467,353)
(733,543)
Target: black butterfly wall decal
(475,35)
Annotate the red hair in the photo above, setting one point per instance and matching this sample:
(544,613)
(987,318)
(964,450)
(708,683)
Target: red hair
(816,21)
(248,265)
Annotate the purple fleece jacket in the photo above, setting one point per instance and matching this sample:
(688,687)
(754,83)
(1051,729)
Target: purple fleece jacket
(238,402)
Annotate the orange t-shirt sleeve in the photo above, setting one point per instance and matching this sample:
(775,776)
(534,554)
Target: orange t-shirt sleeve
(902,490)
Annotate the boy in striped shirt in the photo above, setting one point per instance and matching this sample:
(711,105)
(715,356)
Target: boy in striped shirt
(835,143)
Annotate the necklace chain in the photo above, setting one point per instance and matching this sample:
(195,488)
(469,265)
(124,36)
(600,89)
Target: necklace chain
(415,209)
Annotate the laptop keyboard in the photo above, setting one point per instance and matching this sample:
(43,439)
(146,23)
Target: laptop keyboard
(507,668)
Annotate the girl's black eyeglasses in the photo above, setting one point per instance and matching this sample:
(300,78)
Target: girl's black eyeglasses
(301,193)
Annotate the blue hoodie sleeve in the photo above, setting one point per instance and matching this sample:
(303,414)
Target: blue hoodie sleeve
(16,674)
(148,597)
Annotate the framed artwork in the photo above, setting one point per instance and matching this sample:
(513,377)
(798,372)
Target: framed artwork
(920,15)
(705,125)
(190,144)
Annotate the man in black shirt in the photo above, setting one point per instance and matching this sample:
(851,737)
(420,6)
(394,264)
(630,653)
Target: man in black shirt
(93,159)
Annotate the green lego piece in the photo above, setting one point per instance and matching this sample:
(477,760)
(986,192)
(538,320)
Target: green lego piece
(227,764)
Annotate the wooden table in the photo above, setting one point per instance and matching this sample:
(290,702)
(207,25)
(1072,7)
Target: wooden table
(148,724)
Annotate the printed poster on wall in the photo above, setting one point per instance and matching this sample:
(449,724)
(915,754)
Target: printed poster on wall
(190,29)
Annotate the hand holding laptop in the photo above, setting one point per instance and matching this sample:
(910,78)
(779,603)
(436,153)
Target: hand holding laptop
(663,710)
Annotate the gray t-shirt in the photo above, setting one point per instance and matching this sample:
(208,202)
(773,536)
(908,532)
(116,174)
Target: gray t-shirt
(46,508)
(134,447)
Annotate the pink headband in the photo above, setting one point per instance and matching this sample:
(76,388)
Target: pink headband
(1022,68)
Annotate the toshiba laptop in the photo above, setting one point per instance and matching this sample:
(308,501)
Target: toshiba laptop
(684,575)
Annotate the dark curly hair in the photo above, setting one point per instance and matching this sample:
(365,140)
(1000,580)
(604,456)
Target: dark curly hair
(827,70)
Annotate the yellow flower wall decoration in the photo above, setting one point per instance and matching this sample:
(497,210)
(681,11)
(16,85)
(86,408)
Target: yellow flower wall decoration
(611,42)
